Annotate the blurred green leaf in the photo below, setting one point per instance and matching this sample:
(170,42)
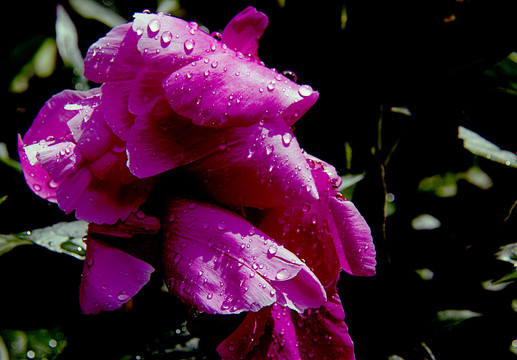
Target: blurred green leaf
(349,183)
(42,65)
(90,9)
(66,238)
(31,344)
(478,145)
(67,42)
(6,159)
(451,318)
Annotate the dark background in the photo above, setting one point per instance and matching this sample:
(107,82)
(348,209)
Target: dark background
(438,59)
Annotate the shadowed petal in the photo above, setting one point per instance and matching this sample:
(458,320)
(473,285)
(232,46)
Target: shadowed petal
(101,201)
(111,277)
(355,237)
(219,262)
(279,333)
(258,166)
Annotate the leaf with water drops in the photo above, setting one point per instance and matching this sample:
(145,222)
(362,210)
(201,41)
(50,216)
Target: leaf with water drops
(65,237)
(478,145)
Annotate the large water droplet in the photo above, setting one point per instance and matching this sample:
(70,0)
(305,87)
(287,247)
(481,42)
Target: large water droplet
(166,38)
(214,64)
(123,296)
(271,86)
(282,274)
(222,225)
(286,139)
(305,90)
(272,250)
(189,45)
(154,26)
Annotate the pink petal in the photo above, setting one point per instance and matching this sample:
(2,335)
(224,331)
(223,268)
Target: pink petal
(223,90)
(355,237)
(100,201)
(111,277)
(220,263)
(244,30)
(258,166)
(284,334)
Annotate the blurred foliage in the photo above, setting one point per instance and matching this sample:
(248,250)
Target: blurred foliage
(417,104)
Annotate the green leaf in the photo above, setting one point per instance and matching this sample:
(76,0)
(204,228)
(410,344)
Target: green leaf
(9,242)
(66,238)
(451,318)
(349,183)
(478,145)
(31,344)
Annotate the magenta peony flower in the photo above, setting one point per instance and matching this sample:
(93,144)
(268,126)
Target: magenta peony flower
(184,160)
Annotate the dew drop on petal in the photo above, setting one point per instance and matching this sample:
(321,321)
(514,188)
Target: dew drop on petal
(271,86)
(222,225)
(305,90)
(189,45)
(282,274)
(286,139)
(272,250)
(214,64)
(123,296)
(166,38)
(154,26)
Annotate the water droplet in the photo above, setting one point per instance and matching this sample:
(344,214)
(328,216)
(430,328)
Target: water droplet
(123,296)
(177,259)
(314,219)
(166,38)
(231,348)
(272,250)
(154,26)
(222,225)
(214,64)
(272,292)
(37,187)
(286,138)
(290,75)
(139,31)
(271,86)
(217,35)
(189,45)
(172,218)
(209,296)
(52,184)
(282,274)
(189,75)
(305,90)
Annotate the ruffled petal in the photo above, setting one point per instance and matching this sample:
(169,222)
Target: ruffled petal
(355,237)
(259,166)
(49,138)
(244,30)
(110,278)
(219,262)
(202,75)
(283,334)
